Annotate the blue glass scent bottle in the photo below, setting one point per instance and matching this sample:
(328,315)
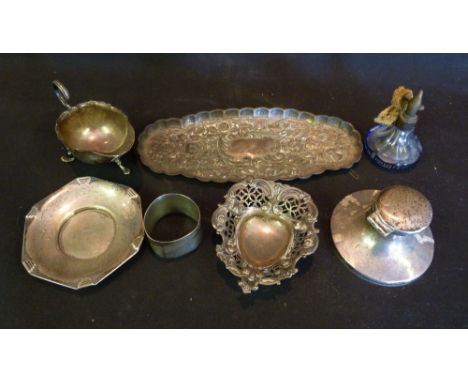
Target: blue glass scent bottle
(395,146)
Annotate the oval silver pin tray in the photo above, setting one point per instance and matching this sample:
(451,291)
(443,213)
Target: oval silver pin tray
(81,233)
(238,144)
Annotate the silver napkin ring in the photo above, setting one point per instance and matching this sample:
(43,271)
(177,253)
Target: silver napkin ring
(169,204)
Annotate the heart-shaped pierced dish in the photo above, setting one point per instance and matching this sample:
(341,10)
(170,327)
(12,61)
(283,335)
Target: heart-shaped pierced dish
(266,228)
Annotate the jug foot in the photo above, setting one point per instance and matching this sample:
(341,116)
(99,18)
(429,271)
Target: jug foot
(68,157)
(124,169)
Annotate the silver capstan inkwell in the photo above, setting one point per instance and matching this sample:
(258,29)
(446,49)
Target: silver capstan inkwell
(384,236)
(392,144)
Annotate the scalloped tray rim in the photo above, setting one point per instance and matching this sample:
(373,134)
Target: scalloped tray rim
(259,112)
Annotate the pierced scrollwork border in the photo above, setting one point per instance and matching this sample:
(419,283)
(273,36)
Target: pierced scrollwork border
(274,198)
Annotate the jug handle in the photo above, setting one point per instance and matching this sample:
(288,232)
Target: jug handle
(62,93)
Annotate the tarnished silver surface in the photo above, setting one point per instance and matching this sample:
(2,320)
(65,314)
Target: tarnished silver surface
(266,228)
(83,232)
(168,204)
(93,131)
(234,145)
(383,244)
(400,209)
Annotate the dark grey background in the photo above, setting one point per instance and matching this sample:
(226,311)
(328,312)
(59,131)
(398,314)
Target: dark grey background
(197,291)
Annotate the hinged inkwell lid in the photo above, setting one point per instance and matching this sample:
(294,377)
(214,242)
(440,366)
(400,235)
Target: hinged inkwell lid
(384,236)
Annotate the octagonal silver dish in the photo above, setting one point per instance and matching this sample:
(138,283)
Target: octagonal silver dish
(81,233)
(239,144)
(266,228)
